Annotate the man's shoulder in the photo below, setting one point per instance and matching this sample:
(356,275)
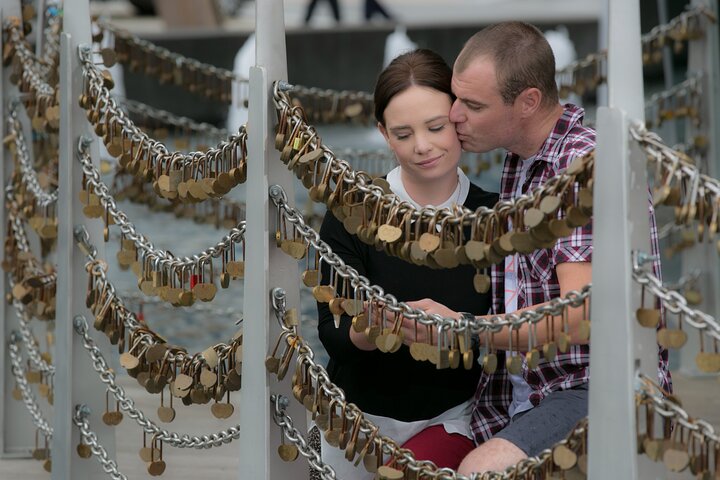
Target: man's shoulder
(580,140)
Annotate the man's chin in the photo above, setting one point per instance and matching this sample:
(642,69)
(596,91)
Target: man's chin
(469,146)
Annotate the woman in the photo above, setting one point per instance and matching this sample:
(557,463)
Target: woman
(413,402)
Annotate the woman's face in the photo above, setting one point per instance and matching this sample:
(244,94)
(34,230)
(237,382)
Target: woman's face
(419,132)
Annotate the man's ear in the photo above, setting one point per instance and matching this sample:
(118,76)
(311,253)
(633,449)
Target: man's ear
(529,101)
(384,132)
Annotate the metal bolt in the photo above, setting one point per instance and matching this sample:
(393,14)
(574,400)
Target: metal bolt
(15,337)
(80,324)
(82,411)
(84,142)
(284,86)
(276,191)
(641,258)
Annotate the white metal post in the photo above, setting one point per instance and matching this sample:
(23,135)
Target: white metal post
(17,432)
(266,267)
(76,381)
(619,346)
(704,56)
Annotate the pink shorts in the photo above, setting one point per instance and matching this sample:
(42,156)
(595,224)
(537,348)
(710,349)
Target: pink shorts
(442,448)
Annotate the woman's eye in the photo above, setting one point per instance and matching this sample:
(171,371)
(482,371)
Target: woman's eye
(437,128)
(402,137)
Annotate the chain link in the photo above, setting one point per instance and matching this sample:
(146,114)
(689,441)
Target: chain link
(163,53)
(676,303)
(294,436)
(647,39)
(362,182)
(674,162)
(424,468)
(646,390)
(95,84)
(107,376)
(168,118)
(690,86)
(29,340)
(362,285)
(142,243)
(29,175)
(80,419)
(146,337)
(31,74)
(28,398)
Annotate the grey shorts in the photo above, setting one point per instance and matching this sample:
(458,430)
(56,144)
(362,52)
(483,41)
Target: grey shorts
(552,420)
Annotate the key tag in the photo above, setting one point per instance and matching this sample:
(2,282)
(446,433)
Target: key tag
(165,414)
(532,356)
(564,339)
(490,360)
(156,466)
(513,362)
(288,453)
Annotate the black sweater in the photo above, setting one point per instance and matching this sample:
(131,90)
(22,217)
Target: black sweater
(394,384)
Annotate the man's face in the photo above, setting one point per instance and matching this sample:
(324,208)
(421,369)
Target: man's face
(482,120)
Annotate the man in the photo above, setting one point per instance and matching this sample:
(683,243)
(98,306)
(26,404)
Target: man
(504,80)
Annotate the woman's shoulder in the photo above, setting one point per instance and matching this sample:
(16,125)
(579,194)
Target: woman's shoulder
(479,197)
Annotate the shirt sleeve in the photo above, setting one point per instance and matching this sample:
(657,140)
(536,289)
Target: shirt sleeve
(336,340)
(577,247)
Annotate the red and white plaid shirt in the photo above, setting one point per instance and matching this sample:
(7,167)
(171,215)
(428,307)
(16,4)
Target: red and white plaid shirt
(538,283)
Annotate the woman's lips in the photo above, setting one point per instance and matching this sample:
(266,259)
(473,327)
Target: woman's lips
(430,162)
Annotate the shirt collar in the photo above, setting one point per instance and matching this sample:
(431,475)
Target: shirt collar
(572,115)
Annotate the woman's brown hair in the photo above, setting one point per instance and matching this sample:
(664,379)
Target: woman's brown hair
(421,67)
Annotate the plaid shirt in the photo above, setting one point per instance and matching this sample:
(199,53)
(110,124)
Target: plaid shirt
(538,283)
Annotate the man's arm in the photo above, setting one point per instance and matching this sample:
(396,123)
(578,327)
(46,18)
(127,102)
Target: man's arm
(571,276)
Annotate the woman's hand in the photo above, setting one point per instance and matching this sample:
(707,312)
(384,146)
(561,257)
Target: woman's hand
(414,331)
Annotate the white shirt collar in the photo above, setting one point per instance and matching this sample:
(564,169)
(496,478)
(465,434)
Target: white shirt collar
(458,197)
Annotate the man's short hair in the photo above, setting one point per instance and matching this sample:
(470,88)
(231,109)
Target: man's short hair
(522,56)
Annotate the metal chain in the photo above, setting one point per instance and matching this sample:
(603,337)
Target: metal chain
(646,390)
(671,160)
(363,182)
(80,419)
(29,175)
(31,73)
(692,85)
(95,84)
(28,398)
(107,376)
(51,46)
(168,118)
(294,436)
(676,303)
(179,60)
(147,337)
(424,468)
(362,285)
(659,31)
(29,340)
(142,243)
(142,299)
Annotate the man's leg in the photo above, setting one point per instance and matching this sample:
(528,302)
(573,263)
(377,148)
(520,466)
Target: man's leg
(530,432)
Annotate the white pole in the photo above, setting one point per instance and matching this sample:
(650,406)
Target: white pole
(703,55)
(619,346)
(17,437)
(76,382)
(266,267)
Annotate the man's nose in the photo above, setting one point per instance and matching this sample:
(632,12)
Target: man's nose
(457,114)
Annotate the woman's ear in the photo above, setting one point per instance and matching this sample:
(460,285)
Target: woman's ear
(384,132)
